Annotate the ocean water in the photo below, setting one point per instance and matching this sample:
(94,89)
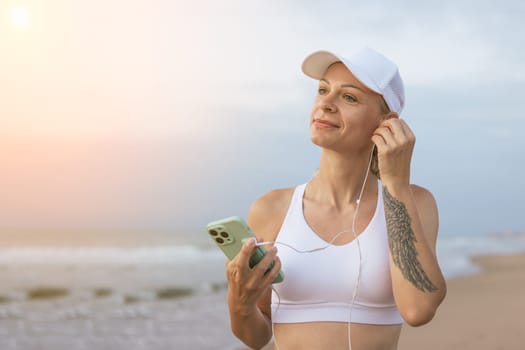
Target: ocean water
(175,266)
(198,267)
(164,297)
(454,251)
(113,298)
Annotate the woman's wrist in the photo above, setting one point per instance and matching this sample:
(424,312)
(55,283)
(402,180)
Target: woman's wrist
(241,309)
(396,185)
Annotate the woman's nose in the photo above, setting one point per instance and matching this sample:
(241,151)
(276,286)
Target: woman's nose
(327,105)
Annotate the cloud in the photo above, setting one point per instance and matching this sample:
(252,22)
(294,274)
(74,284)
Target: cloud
(190,111)
(461,42)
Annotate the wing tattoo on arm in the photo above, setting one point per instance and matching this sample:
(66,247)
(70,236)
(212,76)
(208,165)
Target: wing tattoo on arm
(401,240)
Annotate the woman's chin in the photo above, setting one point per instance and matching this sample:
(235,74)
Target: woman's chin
(316,140)
(320,141)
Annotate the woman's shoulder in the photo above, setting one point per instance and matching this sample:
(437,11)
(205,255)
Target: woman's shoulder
(267,212)
(273,199)
(422,195)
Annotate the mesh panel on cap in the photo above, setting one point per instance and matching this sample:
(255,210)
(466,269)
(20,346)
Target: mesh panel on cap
(396,84)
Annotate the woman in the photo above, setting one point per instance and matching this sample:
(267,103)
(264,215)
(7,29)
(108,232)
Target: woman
(358,240)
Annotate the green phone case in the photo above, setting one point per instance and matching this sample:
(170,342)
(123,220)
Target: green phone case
(230,233)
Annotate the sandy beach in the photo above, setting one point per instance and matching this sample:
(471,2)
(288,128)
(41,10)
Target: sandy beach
(482,312)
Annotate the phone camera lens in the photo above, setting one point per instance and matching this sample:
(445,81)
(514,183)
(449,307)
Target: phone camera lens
(219,240)
(224,234)
(213,233)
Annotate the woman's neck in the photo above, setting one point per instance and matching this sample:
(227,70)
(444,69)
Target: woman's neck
(340,178)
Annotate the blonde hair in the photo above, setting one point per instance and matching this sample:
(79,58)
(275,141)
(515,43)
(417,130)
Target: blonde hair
(374,164)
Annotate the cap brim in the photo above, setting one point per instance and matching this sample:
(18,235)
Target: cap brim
(316,64)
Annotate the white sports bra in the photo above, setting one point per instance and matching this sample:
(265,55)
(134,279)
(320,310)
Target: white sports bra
(319,286)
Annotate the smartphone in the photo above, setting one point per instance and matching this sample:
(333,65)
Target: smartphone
(230,233)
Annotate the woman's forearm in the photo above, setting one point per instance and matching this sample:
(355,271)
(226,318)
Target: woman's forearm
(418,284)
(249,324)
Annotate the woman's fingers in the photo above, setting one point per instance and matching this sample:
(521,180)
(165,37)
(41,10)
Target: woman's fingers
(396,127)
(393,133)
(265,263)
(239,266)
(386,135)
(395,143)
(252,280)
(272,274)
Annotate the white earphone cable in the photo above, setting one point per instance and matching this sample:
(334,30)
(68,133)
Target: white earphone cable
(329,244)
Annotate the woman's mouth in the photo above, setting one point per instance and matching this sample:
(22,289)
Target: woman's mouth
(325,124)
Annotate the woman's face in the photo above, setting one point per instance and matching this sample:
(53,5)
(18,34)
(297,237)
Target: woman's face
(345,112)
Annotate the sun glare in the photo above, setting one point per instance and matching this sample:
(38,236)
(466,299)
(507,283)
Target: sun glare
(20,18)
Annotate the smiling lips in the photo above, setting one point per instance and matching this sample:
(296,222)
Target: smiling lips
(325,124)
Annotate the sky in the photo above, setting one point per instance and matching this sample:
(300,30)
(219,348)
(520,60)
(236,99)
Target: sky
(164,115)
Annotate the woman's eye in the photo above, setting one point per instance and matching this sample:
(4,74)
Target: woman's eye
(349,98)
(321,91)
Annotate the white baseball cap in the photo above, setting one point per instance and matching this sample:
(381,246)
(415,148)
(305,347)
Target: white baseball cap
(371,68)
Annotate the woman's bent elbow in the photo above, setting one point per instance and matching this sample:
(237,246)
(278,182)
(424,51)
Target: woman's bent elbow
(416,318)
(419,315)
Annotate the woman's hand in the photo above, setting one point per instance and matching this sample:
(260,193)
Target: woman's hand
(245,284)
(395,142)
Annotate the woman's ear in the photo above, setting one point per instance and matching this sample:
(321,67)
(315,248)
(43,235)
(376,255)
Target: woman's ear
(391,115)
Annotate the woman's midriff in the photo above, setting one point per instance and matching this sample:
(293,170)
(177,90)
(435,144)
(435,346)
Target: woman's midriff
(334,336)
